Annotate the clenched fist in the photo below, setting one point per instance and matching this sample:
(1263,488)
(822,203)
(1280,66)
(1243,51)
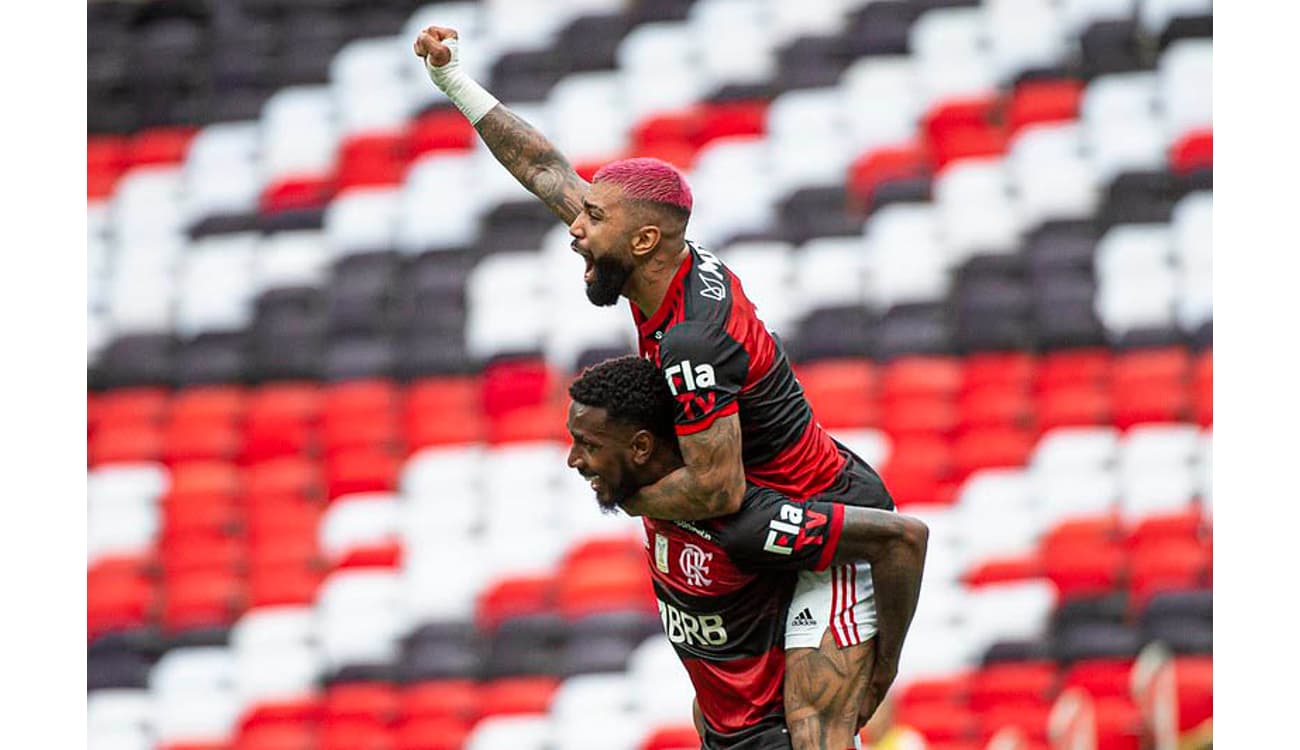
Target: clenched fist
(429,45)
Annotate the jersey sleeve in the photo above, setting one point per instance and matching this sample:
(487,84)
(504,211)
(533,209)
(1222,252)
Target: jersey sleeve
(770,532)
(705,369)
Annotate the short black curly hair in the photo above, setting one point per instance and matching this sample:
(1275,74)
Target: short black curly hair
(632,391)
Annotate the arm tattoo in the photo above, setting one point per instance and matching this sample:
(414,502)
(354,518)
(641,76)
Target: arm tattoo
(703,488)
(534,161)
(824,689)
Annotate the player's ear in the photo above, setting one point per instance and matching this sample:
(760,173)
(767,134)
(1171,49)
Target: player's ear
(645,239)
(643,447)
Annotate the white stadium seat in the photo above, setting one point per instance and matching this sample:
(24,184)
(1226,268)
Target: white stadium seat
(362,219)
(1025,34)
(1186,86)
(1070,448)
(517,732)
(294,258)
(881,101)
(358,520)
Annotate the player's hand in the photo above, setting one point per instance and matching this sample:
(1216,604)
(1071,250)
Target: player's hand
(429,45)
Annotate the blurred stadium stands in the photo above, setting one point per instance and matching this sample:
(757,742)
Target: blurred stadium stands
(329,339)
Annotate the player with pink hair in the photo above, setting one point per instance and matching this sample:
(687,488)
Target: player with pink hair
(741,416)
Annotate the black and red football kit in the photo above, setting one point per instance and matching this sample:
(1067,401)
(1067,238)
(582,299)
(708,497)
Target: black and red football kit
(719,359)
(723,585)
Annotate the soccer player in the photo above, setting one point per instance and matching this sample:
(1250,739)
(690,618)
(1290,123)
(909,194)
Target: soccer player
(724,584)
(741,414)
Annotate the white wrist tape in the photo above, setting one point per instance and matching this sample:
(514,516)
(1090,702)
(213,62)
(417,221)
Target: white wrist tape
(471,99)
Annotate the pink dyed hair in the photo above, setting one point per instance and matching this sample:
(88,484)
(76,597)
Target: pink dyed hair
(648,179)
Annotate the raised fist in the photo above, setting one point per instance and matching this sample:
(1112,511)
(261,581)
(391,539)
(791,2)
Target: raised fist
(429,45)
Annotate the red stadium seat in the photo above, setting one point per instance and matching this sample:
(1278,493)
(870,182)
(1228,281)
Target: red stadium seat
(429,396)
(1074,406)
(355,735)
(918,415)
(999,369)
(183,554)
(377,432)
(512,597)
(202,600)
(918,469)
(1101,529)
(209,403)
(289,584)
(271,437)
(445,428)
(1090,367)
(373,159)
(304,711)
(361,471)
(513,384)
(680,154)
(876,167)
(282,737)
(1194,676)
(681,737)
(1030,718)
(1119,724)
(840,391)
(1083,568)
(1168,565)
(602,551)
(296,549)
(441,130)
(285,478)
(1004,569)
(457,700)
(1180,526)
(1013,684)
(194,746)
(205,482)
(992,448)
(298,400)
(1150,402)
(963,129)
(734,118)
(133,406)
(1203,388)
(1192,152)
(1143,366)
(607,587)
(1100,678)
(106,160)
(996,406)
(129,443)
(936,377)
(117,601)
(294,192)
(953,690)
(360,398)
(201,441)
(1043,101)
(432,734)
(940,723)
(382,555)
(375,702)
(208,519)
(679,127)
(165,145)
(518,695)
(530,423)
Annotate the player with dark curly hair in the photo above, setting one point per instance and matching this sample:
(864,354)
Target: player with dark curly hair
(724,584)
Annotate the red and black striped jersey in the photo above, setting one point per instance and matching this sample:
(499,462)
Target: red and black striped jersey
(719,359)
(723,586)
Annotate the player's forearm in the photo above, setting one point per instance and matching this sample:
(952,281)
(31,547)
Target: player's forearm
(895,546)
(686,495)
(533,160)
(897,583)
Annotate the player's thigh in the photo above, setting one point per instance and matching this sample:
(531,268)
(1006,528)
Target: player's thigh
(830,642)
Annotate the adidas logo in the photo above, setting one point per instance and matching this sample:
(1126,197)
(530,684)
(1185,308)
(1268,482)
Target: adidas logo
(804,619)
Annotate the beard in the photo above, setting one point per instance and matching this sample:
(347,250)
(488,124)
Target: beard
(612,503)
(609,275)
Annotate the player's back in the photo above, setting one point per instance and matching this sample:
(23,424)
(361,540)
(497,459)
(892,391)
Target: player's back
(720,359)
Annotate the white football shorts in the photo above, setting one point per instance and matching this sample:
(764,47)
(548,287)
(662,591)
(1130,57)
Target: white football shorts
(840,598)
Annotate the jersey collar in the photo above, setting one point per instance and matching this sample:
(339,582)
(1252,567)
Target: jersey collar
(673,297)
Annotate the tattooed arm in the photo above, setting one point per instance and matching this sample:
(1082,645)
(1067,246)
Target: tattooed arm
(895,546)
(712,483)
(526,153)
(534,161)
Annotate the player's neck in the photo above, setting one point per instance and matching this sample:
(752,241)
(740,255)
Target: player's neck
(663,463)
(649,283)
